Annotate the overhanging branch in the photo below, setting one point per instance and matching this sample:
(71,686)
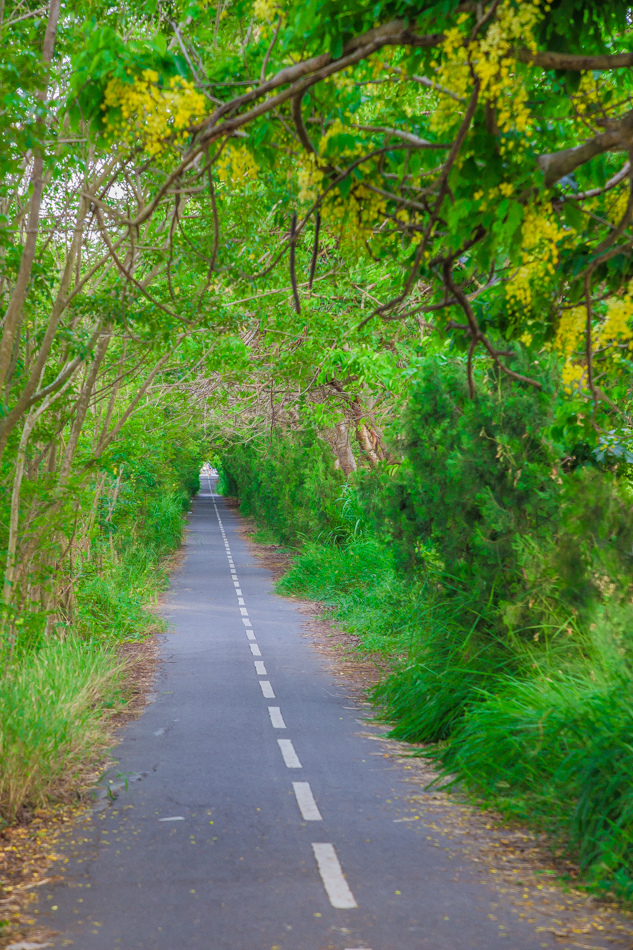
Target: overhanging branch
(573,61)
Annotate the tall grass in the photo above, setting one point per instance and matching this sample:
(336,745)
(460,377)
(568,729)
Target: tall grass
(53,708)
(358,580)
(558,751)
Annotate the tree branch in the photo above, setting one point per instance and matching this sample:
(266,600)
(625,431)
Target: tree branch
(556,165)
(573,61)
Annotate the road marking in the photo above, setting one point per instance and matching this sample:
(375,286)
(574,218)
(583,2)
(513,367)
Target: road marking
(276,718)
(260,669)
(305,800)
(238,591)
(240,599)
(255,649)
(250,634)
(246,622)
(336,887)
(288,751)
(267,690)
(244,611)
(175,818)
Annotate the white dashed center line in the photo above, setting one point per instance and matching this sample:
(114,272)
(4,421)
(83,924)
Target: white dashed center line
(290,756)
(276,718)
(305,801)
(336,887)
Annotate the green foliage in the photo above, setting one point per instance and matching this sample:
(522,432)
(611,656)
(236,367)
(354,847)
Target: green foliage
(57,693)
(126,569)
(509,523)
(118,583)
(357,579)
(290,484)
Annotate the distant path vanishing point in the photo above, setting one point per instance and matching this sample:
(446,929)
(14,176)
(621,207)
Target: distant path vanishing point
(257,816)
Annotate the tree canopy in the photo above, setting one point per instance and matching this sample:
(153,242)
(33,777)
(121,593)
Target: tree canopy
(250,216)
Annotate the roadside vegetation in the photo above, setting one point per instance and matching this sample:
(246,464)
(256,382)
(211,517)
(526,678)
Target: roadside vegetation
(492,567)
(375,259)
(66,677)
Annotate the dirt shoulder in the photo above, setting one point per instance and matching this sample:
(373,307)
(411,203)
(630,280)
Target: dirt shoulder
(540,885)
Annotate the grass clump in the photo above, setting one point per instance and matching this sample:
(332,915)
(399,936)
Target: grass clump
(557,751)
(54,706)
(127,570)
(359,582)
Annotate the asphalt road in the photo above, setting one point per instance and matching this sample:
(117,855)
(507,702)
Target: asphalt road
(252,813)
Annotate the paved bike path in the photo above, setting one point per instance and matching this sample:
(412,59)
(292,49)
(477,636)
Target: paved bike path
(257,816)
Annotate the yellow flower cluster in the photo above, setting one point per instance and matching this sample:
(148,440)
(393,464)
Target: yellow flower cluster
(569,340)
(268,13)
(355,217)
(337,128)
(496,67)
(505,189)
(572,376)
(615,202)
(539,255)
(236,166)
(571,331)
(616,326)
(267,10)
(151,114)
(309,177)
(614,329)
(491,59)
